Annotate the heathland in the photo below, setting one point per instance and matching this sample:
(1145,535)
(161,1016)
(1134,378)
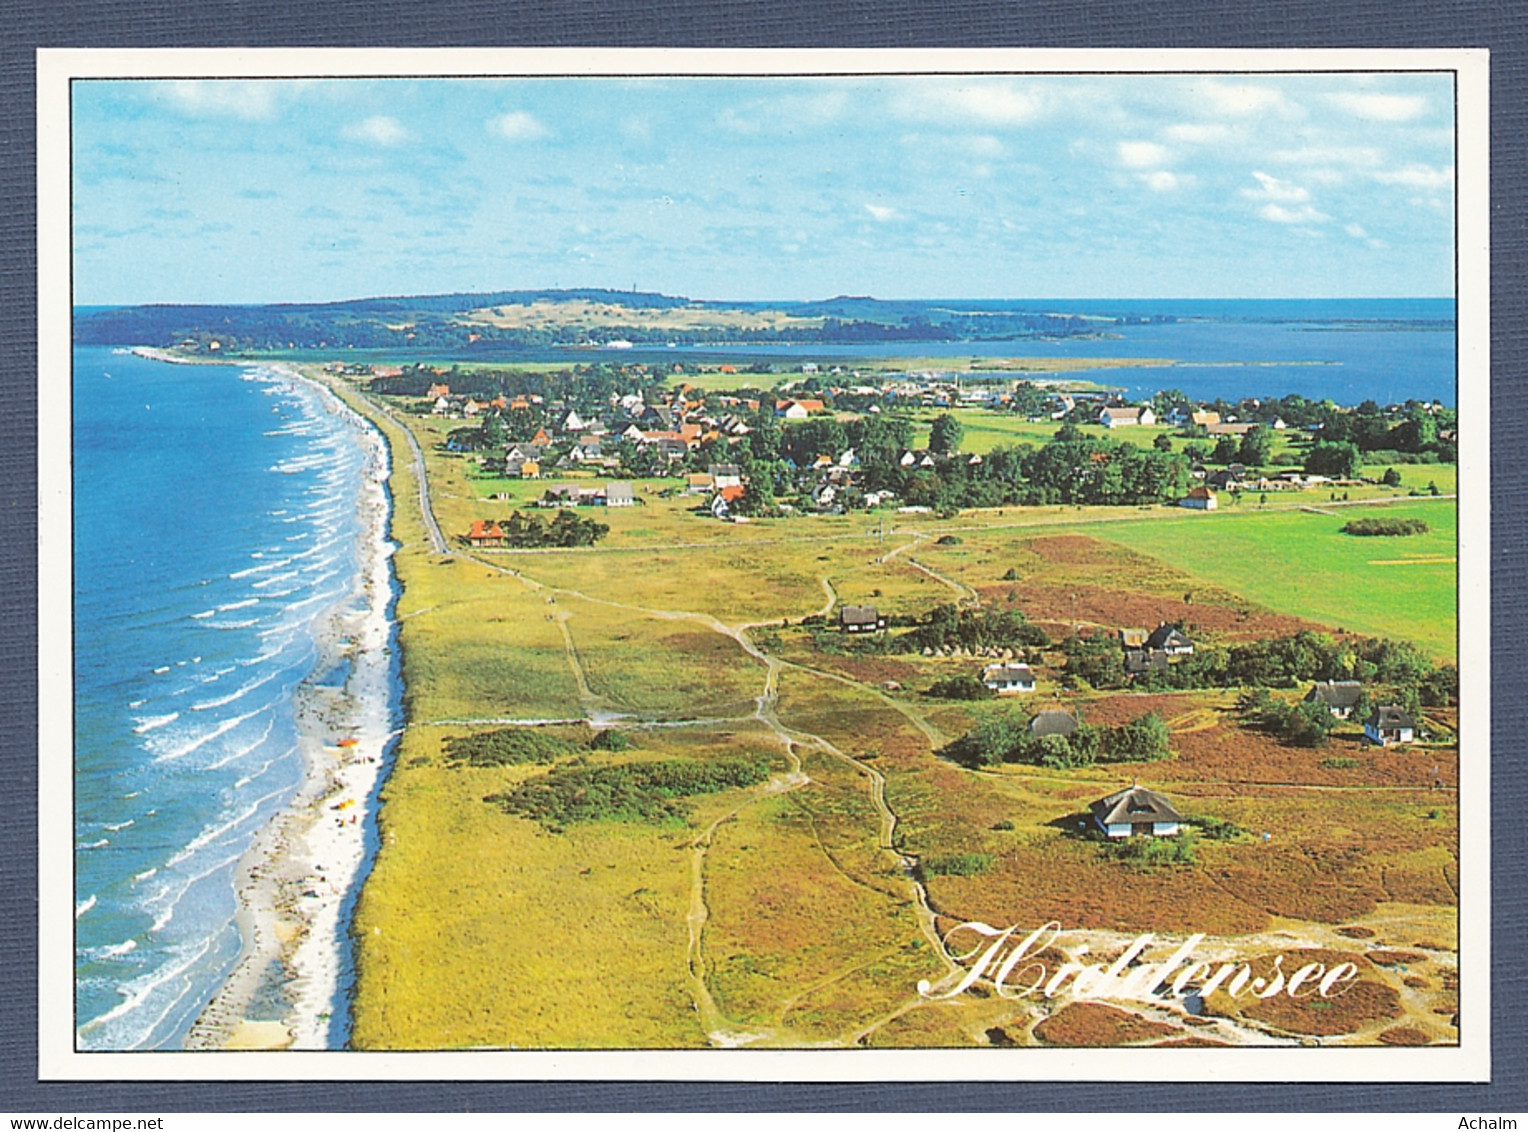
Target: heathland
(650,795)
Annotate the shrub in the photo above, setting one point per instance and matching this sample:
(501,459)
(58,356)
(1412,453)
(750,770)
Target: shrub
(1341,762)
(1154,852)
(1390,528)
(961,688)
(1217,829)
(645,791)
(512,746)
(949,540)
(956,865)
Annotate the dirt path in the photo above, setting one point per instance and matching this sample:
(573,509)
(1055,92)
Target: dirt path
(432,528)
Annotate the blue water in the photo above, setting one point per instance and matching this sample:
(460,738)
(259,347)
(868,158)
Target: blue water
(1345,350)
(214,521)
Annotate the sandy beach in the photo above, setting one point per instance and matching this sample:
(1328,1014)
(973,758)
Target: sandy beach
(299,878)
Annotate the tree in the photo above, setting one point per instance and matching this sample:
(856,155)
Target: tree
(945,436)
(1340,460)
(1256,447)
(1392,478)
(1227,449)
(1163,443)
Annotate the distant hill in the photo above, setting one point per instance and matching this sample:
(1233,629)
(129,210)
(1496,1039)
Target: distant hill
(557,318)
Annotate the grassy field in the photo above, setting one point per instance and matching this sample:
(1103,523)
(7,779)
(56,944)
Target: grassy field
(1301,563)
(784,913)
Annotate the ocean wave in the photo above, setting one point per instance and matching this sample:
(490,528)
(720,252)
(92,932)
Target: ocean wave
(245,604)
(234,624)
(101,844)
(212,833)
(113,828)
(151,722)
(260,569)
(232,696)
(84,906)
(204,613)
(273,579)
(220,730)
(136,703)
(136,993)
(145,875)
(117,950)
(160,671)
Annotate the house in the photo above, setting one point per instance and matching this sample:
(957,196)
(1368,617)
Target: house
(1200,498)
(573,422)
(485,533)
(562,495)
(719,506)
(699,483)
(522,469)
(436,391)
(541,439)
(1205,418)
(1136,812)
(1138,662)
(1225,428)
(1132,638)
(1389,724)
(725,475)
(797,410)
(1339,696)
(619,493)
(1170,641)
(1119,416)
(1052,722)
(860,619)
(1008,679)
(1223,480)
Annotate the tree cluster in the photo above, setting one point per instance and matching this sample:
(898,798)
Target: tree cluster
(1008,740)
(565,529)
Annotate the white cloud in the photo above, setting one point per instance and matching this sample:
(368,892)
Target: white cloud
(1142,154)
(517,125)
(994,103)
(1275,190)
(1198,133)
(1356,231)
(1418,177)
(1354,156)
(378,130)
(985,145)
(1305,214)
(1238,99)
(881,212)
(1161,181)
(1380,107)
(225,98)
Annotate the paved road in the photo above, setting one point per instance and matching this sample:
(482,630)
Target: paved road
(431,527)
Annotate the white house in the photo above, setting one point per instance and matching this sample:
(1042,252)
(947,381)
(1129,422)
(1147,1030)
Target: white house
(1389,724)
(1339,697)
(1008,679)
(1170,640)
(1200,498)
(1118,416)
(618,493)
(1136,812)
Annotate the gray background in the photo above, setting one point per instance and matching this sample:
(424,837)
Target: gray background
(746,23)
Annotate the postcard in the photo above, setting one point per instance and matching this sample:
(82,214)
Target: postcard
(764,565)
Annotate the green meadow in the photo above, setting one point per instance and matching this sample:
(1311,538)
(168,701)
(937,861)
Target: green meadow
(1300,562)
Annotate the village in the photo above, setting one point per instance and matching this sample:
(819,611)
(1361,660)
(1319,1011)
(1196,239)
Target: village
(846,441)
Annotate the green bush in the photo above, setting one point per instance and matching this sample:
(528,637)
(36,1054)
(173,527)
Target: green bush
(956,865)
(1341,762)
(1154,852)
(961,688)
(512,746)
(1390,528)
(646,791)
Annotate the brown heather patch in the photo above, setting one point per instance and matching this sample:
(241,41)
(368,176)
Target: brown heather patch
(1415,982)
(1404,1036)
(1394,958)
(1356,932)
(1364,1001)
(1234,753)
(1065,604)
(1094,1024)
(1192,1040)
(874,670)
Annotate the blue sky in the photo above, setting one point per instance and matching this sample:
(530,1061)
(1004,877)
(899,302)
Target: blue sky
(1237,186)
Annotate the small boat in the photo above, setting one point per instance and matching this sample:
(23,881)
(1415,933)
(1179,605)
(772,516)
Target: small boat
(348,743)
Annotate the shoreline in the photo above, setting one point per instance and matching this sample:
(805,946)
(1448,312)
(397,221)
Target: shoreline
(297,882)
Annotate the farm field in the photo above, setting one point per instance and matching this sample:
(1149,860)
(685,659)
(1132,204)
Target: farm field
(1301,563)
(800,904)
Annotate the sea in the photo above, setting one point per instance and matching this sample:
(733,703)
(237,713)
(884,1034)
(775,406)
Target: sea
(1346,350)
(214,521)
